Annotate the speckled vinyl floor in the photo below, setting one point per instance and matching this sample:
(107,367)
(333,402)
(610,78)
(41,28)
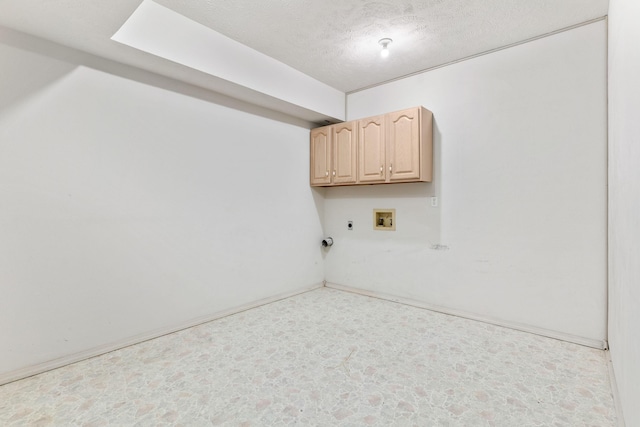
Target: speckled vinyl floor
(326,358)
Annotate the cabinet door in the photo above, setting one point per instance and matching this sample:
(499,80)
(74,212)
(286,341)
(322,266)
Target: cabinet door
(345,150)
(403,142)
(371,150)
(321,156)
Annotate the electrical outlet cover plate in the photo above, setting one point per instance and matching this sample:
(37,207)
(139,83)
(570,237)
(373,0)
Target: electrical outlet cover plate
(384,219)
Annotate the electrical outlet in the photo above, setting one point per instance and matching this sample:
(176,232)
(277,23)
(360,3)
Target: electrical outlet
(349,225)
(434,202)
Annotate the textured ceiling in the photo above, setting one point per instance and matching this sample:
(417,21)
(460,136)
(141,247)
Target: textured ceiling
(334,41)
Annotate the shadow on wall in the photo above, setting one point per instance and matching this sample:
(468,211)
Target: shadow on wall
(16,86)
(68,56)
(318,194)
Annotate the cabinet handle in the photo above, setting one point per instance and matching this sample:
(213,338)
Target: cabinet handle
(334,173)
(327,173)
(390,166)
(380,170)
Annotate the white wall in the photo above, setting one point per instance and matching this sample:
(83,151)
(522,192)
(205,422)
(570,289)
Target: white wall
(519,235)
(131,203)
(624,203)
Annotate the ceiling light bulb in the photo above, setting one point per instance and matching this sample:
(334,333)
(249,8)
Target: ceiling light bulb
(385,47)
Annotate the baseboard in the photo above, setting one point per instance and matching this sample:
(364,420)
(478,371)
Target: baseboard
(614,390)
(588,342)
(29,371)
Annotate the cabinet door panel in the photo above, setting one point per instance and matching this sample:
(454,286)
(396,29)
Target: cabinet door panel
(404,144)
(345,153)
(371,150)
(321,155)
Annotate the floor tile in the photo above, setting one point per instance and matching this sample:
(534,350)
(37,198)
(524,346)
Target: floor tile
(326,358)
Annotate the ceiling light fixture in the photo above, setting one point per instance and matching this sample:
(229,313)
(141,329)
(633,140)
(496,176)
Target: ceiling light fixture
(385,46)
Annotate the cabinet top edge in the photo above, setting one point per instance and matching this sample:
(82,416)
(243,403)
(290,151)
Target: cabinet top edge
(377,115)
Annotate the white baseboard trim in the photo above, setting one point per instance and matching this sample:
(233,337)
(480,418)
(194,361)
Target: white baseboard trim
(39,368)
(614,390)
(588,342)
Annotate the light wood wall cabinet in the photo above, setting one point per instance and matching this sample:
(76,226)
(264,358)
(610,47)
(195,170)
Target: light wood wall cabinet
(409,145)
(345,153)
(321,156)
(334,154)
(372,150)
(395,147)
